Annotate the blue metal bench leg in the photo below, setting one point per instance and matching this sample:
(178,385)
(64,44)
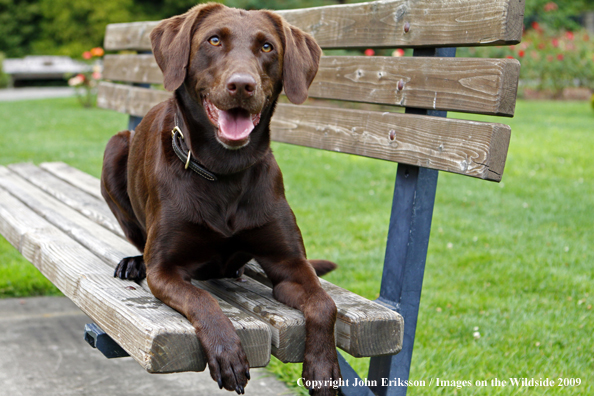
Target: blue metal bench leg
(99,339)
(133,122)
(406,253)
(402,279)
(351,380)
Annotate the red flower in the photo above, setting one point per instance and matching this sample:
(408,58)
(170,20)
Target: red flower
(510,57)
(555,42)
(97,51)
(560,57)
(569,35)
(536,27)
(521,54)
(541,46)
(398,53)
(550,6)
(369,52)
(87,55)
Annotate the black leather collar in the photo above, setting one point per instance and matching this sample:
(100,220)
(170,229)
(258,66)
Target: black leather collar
(186,157)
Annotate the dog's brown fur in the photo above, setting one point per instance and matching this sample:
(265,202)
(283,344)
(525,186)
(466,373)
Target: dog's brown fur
(191,228)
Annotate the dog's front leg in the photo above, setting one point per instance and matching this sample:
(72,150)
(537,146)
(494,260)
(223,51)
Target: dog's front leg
(227,361)
(297,285)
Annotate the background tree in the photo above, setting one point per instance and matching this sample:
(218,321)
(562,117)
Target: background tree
(69,27)
(20,22)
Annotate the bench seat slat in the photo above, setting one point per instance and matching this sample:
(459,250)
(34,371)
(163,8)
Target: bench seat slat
(469,148)
(359,323)
(83,181)
(73,255)
(380,24)
(364,328)
(473,85)
(90,206)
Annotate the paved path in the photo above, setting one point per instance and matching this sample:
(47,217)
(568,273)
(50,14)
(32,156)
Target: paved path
(13,94)
(42,353)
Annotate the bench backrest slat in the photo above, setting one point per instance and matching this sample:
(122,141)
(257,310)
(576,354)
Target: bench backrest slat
(381,24)
(472,85)
(469,148)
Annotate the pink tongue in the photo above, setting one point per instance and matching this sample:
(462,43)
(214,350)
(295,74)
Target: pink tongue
(235,124)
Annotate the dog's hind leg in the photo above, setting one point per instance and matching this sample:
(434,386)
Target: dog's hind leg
(114,188)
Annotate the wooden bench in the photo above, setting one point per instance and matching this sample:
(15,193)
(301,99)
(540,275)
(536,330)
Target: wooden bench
(55,216)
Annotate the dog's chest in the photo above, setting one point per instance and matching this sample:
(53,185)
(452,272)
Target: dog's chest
(225,209)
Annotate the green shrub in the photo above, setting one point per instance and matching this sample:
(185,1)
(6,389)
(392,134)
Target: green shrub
(550,60)
(4,79)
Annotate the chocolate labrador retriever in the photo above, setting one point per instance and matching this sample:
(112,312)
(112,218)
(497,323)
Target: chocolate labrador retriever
(197,190)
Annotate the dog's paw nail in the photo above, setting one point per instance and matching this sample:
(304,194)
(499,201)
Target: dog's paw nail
(247,374)
(238,389)
(220,382)
(311,391)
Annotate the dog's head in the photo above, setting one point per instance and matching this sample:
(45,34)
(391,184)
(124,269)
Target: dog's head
(234,63)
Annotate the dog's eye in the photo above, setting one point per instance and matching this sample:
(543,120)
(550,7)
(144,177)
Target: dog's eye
(267,47)
(214,40)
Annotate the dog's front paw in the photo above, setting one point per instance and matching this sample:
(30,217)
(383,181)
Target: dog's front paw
(321,373)
(227,361)
(131,268)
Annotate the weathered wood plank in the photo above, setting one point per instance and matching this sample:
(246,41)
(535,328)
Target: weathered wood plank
(110,248)
(287,325)
(473,85)
(87,204)
(458,146)
(130,100)
(412,23)
(39,241)
(78,178)
(380,24)
(154,334)
(82,228)
(66,264)
(464,147)
(363,328)
(141,68)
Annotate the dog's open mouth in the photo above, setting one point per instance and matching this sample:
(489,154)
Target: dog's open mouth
(233,126)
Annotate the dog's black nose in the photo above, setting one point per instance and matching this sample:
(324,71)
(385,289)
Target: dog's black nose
(241,84)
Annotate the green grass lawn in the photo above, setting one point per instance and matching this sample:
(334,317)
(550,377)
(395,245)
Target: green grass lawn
(511,261)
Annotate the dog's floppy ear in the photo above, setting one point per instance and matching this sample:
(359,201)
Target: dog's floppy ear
(171,40)
(300,63)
